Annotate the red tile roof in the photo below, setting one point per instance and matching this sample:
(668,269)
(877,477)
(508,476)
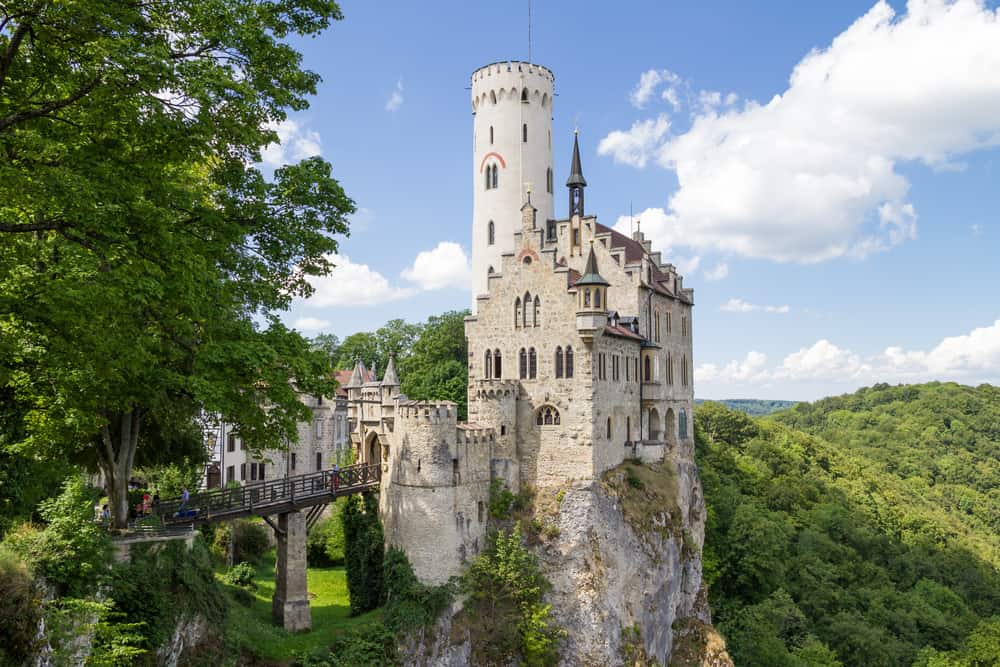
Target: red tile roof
(624,332)
(343,377)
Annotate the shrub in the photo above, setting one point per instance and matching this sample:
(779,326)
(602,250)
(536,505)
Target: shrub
(241,574)
(325,544)
(71,552)
(364,552)
(410,604)
(369,646)
(250,541)
(20,609)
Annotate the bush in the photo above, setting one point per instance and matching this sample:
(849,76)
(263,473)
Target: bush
(242,575)
(364,552)
(20,610)
(325,544)
(250,541)
(71,552)
(410,604)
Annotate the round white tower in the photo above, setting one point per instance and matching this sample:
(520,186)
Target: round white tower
(511,151)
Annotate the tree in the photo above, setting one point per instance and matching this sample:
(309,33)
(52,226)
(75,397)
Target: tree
(437,368)
(143,260)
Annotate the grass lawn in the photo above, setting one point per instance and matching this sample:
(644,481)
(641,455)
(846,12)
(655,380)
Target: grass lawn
(250,628)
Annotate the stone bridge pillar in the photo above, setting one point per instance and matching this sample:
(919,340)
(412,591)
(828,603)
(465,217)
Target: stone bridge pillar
(290,604)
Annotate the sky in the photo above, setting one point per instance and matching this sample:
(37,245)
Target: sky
(824,175)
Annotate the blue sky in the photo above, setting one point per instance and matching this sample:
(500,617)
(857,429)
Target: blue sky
(841,234)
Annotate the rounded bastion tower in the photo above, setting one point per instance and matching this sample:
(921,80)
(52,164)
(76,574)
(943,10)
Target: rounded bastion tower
(511,151)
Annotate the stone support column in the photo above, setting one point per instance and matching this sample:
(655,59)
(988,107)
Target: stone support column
(290,604)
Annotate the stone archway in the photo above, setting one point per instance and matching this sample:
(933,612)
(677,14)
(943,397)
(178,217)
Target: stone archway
(372,450)
(654,425)
(670,427)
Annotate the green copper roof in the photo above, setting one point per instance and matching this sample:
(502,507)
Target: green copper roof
(590,274)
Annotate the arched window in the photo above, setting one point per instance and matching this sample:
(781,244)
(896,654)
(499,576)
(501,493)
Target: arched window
(559,361)
(670,368)
(495,177)
(628,429)
(684,371)
(586,298)
(548,180)
(646,375)
(537,319)
(597,298)
(523,364)
(490,233)
(527,309)
(491,135)
(547,416)
(532,364)
(488,370)
(682,423)
(609,428)
(493,97)
(496,364)
(656,327)
(488,177)
(524,95)
(569,361)
(490,271)
(517,312)
(524,133)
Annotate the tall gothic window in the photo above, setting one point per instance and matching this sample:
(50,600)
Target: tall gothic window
(670,368)
(532,364)
(538,312)
(527,309)
(682,423)
(490,233)
(628,429)
(517,312)
(559,361)
(496,364)
(597,298)
(495,177)
(646,374)
(488,367)
(609,428)
(489,172)
(547,416)
(524,133)
(684,371)
(548,180)
(523,364)
(656,327)
(586,298)
(491,135)
(569,361)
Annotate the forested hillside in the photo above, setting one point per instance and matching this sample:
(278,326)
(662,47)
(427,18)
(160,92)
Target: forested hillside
(859,530)
(755,407)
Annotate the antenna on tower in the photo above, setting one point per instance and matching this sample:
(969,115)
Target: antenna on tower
(529,31)
(630,229)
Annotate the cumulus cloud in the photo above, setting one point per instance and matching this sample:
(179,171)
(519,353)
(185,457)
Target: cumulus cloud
(395,98)
(295,143)
(720,271)
(649,81)
(354,285)
(973,357)
(445,266)
(813,173)
(741,306)
(311,324)
(637,145)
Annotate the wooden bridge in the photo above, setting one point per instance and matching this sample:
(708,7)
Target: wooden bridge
(276,496)
(285,498)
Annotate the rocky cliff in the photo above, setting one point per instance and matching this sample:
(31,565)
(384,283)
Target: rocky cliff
(623,555)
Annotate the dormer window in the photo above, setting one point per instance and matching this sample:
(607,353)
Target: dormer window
(524,95)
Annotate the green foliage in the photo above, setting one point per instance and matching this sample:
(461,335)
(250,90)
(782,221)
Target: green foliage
(836,548)
(169,480)
(241,575)
(437,368)
(753,406)
(370,646)
(20,609)
(249,538)
(162,581)
(502,500)
(410,604)
(116,642)
(505,588)
(364,551)
(71,552)
(325,543)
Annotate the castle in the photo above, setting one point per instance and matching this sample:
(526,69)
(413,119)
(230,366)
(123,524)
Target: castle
(579,346)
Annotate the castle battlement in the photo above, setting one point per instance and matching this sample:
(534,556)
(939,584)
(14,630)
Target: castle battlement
(429,412)
(491,389)
(474,433)
(514,67)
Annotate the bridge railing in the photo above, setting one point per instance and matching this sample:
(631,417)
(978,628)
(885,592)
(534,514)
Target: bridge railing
(257,497)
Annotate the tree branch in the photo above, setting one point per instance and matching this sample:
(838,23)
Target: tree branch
(48,107)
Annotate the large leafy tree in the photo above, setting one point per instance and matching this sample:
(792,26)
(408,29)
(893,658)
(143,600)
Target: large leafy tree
(438,366)
(143,259)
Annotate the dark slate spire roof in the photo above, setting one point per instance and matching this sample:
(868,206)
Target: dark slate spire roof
(590,274)
(575,170)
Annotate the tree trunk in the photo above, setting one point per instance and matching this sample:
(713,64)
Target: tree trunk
(115,455)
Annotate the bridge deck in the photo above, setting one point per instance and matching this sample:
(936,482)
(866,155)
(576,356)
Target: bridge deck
(270,497)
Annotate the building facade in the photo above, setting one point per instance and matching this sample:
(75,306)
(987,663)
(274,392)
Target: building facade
(580,347)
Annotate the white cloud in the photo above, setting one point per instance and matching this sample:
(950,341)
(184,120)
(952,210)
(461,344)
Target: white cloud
(741,306)
(709,100)
(812,174)
(720,271)
(395,98)
(637,145)
(669,95)
(294,143)
(973,357)
(311,324)
(362,219)
(445,266)
(648,82)
(350,284)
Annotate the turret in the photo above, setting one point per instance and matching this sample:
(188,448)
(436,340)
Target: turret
(592,299)
(576,182)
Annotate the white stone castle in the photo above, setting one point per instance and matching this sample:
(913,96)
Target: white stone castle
(579,347)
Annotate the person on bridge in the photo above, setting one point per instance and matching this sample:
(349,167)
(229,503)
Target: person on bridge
(335,478)
(185,496)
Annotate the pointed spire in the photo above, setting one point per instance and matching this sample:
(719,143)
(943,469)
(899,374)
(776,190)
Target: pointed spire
(591,276)
(390,378)
(358,375)
(575,170)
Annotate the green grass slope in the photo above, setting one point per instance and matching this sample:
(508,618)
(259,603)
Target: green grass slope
(856,530)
